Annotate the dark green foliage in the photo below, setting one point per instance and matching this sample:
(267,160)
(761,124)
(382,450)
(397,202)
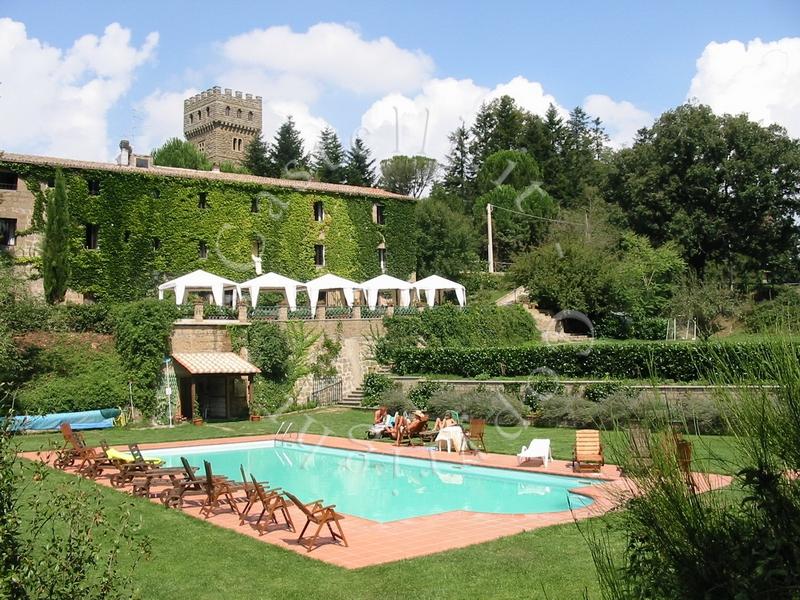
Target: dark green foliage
(12,364)
(70,375)
(270,397)
(624,327)
(142,332)
(513,168)
(446,241)
(676,361)
(55,246)
(180,153)
(597,392)
(28,314)
(707,301)
(286,154)
(781,314)
(534,391)
(375,386)
(268,349)
(408,175)
(324,362)
(420,395)
(458,176)
(256,158)
(449,326)
(359,167)
(328,162)
(496,407)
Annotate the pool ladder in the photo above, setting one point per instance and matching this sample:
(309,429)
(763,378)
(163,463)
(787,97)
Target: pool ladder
(283,433)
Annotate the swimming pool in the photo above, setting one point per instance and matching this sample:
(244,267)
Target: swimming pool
(384,487)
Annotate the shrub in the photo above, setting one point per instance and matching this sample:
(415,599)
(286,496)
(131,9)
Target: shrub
(676,361)
(597,392)
(780,314)
(475,326)
(624,327)
(421,393)
(375,387)
(534,391)
(269,397)
(396,401)
(493,406)
(269,349)
(87,317)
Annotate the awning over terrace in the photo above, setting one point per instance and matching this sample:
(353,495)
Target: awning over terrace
(330,282)
(272,281)
(434,283)
(386,282)
(215,363)
(200,281)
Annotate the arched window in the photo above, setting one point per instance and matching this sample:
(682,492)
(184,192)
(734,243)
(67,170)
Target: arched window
(238,113)
(234,144)
(240,144)
(227,111)
(208,111)
(199,115)
(250,116)
(191,118)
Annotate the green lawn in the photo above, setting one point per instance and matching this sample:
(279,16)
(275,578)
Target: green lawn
(711,453)
(196,560)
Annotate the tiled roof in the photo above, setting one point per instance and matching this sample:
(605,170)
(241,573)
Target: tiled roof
(305,186)
(215,363)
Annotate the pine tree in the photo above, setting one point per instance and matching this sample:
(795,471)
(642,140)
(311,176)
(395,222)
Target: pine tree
(180,153)
(359,167)
(55,249)
(286,155)
(329,158)
(458,175)
(256,158)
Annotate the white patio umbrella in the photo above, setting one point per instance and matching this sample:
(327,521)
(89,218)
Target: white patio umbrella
(200,281)
(329,282)
(272,281)
(434,283)
(386,282)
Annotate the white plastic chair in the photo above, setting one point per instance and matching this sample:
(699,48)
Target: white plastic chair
(537,449)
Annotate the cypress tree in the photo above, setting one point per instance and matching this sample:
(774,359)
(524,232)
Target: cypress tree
(55,249)
(255,157)
(359,167)
(286,155)
(329,158)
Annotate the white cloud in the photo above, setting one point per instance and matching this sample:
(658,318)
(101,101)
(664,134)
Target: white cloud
(55,101)
(621,119)
(397,124)
(162,118)
(759,78)
(331,53)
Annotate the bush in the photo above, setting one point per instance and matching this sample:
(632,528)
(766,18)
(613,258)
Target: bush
(375,387)
(781,314)
(475,326)
(624,327)
(676,361)
(421,393)
(70,376)
(269,397)
(269,349)
(493,406)
(534,391)
(597,392)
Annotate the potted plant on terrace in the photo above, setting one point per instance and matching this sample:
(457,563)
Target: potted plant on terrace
(197,419)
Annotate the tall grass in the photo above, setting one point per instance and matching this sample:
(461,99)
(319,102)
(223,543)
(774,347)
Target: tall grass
(740,542)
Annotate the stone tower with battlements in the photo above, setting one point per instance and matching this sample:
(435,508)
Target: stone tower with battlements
(222,123)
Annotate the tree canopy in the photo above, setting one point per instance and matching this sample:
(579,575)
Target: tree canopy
(180,153)
(55,246)
(287,156)
(329,158)
(408,175)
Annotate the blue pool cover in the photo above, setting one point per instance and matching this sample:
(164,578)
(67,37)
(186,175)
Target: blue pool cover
(88,419)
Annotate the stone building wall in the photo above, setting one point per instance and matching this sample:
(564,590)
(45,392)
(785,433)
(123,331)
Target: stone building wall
(222,123)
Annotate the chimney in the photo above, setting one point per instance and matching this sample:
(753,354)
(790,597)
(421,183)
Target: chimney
(125,152)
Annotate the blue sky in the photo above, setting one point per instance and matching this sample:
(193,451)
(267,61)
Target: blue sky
(628,61)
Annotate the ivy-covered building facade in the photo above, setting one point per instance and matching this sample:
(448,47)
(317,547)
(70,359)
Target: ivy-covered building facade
(135,226)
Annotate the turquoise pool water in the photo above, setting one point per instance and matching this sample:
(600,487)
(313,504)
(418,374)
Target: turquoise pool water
(383,487)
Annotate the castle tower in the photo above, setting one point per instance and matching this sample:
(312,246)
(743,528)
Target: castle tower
(222,124)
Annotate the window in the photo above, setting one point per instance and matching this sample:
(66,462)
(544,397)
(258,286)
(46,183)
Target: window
(8,181)
(237,144)
(319,255)
(156,243)
(227,111)
(142,163)
(208,111)
(199,115)
(191,118)
(238,113)
(240,145)
(90,243)
(254,205)
(202,250)
(202,200)
(256,247)
(51,182)
(250,116)
(382,259)
(379,218)
(319,211)
(8,232)
(94,187)
(201,145)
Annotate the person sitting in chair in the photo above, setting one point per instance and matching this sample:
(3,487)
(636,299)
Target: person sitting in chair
(380,415)
(404,427)
(446,421)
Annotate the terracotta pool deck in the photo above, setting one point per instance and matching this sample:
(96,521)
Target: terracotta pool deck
(372,543)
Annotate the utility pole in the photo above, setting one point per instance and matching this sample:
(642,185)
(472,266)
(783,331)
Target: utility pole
(490,250)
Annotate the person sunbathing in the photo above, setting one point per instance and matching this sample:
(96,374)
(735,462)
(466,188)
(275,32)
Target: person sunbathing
(380,415)
(405,428)
(446,421)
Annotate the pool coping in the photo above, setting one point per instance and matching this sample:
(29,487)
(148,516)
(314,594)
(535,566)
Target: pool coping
(372,542)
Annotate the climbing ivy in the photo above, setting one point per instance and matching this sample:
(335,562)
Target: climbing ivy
(150,228)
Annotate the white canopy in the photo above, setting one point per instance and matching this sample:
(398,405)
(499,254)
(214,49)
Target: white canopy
(200,281)
(386,282)
(329,282)
(272,281)
(434,283)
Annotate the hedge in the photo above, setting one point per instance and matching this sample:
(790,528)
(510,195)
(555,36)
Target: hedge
(675,361)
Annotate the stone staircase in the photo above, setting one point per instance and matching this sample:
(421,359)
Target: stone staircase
(545,323)
(354,398)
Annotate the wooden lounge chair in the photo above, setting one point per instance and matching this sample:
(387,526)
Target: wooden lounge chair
(475,433)
(250,491)
(683,451)
(639,458)
(92,460)
(131,465)
(189,485)
(587,455)
(218,490)
(273,504)
(320,515)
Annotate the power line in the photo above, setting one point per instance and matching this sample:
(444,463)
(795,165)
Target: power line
(524,214)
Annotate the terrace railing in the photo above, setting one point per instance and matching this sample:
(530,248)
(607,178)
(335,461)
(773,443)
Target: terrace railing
(217,313)
(326,390)
(302,313)
(373,313)
(338,312)
(263,313)
(185,311)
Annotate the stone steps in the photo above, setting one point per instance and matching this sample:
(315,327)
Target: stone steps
(354,398)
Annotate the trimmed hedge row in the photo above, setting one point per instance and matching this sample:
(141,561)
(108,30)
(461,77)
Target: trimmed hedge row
(675,361)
